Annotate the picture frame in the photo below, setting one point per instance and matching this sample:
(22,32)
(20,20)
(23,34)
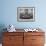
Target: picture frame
(26,14)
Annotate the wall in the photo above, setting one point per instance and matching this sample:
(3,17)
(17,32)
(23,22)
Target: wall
(8,13)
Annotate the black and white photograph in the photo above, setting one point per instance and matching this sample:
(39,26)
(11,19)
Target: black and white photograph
(26,14)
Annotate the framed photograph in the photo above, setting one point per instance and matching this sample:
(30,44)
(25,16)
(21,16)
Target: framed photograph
(26,14)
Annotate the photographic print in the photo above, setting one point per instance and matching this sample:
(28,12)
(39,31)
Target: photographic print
(26,14)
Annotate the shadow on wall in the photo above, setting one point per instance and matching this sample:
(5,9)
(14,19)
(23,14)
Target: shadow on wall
(2,26)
